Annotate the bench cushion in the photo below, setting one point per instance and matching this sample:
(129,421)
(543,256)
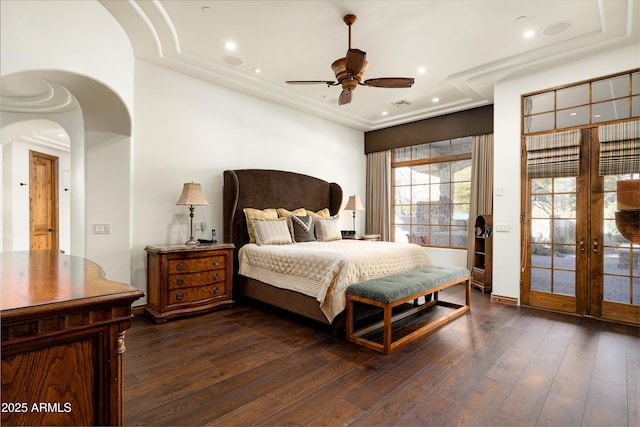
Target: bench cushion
(403,285)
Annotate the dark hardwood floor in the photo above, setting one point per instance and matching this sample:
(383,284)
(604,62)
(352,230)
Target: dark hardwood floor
(499,365)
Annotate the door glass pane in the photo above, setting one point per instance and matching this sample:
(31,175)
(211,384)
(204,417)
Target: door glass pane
(540,280)
(610,110)
(572,96)
(539,122)
(539,103)
(615,87)
(564,282)
(572,117)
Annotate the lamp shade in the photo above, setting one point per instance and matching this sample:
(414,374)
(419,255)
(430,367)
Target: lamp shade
(192,195)
(354,204)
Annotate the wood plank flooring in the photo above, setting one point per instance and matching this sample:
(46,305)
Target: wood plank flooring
(498,365)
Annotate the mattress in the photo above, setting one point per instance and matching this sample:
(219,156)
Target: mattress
(323,270)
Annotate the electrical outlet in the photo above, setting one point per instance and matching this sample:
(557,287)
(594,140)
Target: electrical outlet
(203,226)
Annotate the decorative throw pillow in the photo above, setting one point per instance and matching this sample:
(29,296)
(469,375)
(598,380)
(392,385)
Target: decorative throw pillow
(271,231)
(251,213)
(323,213)
(302,228)
(283,213)
(327,229)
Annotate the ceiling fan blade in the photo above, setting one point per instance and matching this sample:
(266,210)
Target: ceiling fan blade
(311,82)
(345,97)
(355,61)
(390,82)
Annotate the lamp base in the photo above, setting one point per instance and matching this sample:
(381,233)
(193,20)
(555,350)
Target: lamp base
(191,242)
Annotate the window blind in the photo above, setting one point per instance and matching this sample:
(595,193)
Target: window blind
(553,155)
(619,148)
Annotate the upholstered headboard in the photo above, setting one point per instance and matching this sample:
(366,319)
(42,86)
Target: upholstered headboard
(263,188)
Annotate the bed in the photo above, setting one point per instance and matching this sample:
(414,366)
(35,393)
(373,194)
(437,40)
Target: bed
(264,189)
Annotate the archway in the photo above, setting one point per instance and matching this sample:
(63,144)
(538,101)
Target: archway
(98,127)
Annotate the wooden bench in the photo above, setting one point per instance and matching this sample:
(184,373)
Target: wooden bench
(392,291)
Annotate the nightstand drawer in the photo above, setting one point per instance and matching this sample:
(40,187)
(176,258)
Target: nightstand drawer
(178,281)
(198,294)
(195,265)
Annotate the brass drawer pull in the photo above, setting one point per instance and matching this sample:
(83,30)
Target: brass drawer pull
(179,296)
(215,276)
(216,263)
(216,290)
(179,281)
(180,266)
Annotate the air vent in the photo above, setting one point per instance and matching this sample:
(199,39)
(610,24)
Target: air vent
(400,103)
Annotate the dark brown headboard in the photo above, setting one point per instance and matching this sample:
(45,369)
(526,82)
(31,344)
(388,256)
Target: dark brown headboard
(262,189)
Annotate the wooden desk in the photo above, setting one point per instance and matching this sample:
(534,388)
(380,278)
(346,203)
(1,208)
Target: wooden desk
(63,327)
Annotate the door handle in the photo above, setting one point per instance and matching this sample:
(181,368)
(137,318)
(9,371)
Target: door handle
(595,245)
(50,230)
(582,245)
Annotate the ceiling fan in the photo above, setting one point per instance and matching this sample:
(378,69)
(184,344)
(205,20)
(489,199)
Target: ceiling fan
(350,70)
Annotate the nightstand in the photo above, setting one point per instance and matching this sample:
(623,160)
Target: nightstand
(186,280)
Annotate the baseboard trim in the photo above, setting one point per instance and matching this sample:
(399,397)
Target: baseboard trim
(138,310)
(504,300)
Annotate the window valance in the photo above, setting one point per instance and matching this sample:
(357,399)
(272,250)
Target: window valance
(619,148)
(553,155)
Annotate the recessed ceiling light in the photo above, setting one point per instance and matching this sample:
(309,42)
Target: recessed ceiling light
(206,9)
(384,113)
(422,70)
(435,99)
(521,19)
(257,70)
(230,45)
(528,34)
(573,114)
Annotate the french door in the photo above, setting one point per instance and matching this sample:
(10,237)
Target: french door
(575,258)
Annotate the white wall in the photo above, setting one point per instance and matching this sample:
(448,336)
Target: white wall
(108,201)
(188,130)
(507,96)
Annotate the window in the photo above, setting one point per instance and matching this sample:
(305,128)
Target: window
(605,100)
(431,187)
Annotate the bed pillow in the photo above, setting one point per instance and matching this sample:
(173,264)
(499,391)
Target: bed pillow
(270,231)
(302,229)
(323,213)
(327,229)
(283,213)
(251,213)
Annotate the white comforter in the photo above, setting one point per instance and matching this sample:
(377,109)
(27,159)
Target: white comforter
(324,269)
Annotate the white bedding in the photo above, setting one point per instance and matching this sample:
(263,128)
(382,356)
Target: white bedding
(323,270)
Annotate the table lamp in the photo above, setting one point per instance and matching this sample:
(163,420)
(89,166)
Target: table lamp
(192,196)
(354,204)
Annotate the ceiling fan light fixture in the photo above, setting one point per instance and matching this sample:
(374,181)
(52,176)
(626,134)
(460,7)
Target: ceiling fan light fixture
(349,72)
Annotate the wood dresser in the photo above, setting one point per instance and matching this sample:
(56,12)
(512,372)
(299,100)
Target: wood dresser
(184,280)
(63,327)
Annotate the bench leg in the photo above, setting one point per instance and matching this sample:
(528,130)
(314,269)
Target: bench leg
(388,322)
